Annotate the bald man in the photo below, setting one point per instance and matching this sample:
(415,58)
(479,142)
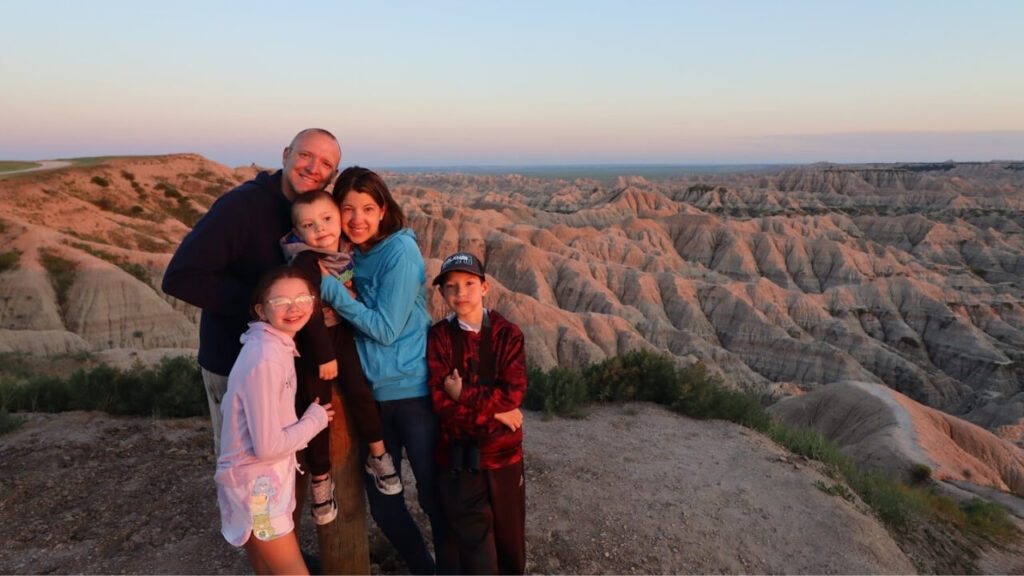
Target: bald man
(217,265)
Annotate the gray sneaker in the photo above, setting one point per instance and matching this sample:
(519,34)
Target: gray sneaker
(384,475)
(324,507)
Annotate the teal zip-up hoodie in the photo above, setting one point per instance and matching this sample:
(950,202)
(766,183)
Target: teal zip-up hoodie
(390,315)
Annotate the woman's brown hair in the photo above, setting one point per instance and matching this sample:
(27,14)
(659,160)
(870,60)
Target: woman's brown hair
(366,181)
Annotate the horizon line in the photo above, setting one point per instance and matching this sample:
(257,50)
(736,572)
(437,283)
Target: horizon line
(563,166)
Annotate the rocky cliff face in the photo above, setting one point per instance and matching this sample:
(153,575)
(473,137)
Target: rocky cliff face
(884,429)
(909,276)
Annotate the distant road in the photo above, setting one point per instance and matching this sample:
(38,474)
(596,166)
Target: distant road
(43,165)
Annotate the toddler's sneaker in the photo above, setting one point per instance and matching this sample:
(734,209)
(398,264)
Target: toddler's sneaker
(324,506)
(384,475)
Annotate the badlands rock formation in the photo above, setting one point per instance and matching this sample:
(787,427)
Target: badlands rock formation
(909,276)
(884,429)
(110,230)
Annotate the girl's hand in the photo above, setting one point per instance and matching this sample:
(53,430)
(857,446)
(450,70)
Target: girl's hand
(453,385)
(513,419)
(323,269)
(348,286)
(329,370)
(328,407)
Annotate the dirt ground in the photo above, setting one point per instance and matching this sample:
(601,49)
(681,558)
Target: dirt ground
(631,489)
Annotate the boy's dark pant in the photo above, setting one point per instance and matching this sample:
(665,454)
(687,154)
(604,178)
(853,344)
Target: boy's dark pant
(356,393)
(486,511)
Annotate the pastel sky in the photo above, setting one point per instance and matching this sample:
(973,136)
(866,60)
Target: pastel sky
(435,83)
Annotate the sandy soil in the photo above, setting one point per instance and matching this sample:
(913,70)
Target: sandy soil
(631,489)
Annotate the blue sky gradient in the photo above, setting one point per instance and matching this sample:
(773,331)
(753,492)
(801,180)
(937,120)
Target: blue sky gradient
(515,83)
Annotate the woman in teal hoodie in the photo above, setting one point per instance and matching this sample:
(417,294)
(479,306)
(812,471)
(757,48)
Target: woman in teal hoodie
(391,321)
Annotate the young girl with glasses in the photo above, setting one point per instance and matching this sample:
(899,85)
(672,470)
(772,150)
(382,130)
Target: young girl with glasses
(261,432)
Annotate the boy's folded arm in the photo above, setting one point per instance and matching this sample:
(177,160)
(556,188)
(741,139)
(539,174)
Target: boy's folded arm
(451,413)
(510,384)
(513,419)
(486,401)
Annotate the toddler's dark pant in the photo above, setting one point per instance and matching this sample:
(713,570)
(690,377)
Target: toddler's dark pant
(486,511)
(355,388)
(356,395)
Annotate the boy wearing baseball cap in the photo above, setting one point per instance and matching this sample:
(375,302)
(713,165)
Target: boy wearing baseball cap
(477,382)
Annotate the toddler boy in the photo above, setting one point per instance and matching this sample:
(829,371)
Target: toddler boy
(316,240)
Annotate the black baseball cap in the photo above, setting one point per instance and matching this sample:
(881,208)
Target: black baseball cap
(461,262)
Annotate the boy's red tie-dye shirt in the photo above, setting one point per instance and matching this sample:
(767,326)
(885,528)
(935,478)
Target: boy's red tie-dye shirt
(472,416)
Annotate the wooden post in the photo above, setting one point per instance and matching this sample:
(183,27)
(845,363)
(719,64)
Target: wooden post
(344,545)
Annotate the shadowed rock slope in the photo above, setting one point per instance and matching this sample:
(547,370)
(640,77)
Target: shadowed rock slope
(882,428)
(909,276)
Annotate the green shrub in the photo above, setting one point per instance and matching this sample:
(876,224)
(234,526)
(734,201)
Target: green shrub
(892,501)
(806,442)
(536,389)
(835,490)
(182,390)
(920,473)
(62,273)
(988,518)
(181,210)
(170,191)
(643,376)
(636,375)
(9,260)
(204,174)
(105,204)
(741,408)
(92,389)
(137,270)
(173,388)
(703,394)
(560,391)
(100,181)
(43,394)
(12,364)
(9,422)
(149,244)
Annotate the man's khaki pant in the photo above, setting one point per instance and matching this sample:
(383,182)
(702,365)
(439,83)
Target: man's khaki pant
(216,386)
